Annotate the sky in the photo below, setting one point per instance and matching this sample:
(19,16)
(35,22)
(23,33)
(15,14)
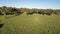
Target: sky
(54,4)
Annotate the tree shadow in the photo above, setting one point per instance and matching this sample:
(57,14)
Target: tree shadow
(1,25)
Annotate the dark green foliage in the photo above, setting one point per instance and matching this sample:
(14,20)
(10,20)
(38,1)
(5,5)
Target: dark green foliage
(18,11)
(39,12)
(29,13)
(1,13)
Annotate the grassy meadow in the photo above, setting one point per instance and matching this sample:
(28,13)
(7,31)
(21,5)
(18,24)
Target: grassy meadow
(31,24)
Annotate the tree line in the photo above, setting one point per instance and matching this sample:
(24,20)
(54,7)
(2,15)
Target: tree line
(4,10)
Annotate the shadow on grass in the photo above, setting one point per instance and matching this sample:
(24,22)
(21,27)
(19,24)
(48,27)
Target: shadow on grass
(1,25)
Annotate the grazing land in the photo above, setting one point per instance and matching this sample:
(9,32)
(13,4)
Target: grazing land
(31,24)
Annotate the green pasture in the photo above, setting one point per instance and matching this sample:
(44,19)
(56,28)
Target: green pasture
(31,24)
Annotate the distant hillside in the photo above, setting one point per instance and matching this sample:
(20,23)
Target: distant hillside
(4,10)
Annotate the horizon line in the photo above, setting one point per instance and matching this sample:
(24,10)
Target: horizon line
(30,7)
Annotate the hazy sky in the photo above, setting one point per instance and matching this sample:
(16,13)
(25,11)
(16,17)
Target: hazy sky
(31,3)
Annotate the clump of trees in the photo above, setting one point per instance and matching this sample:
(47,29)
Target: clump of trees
(4,10)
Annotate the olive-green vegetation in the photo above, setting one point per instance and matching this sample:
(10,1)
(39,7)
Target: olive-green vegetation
(17,11)
(32,24)
(30,21)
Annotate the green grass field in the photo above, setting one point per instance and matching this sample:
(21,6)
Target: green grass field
(31,24)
